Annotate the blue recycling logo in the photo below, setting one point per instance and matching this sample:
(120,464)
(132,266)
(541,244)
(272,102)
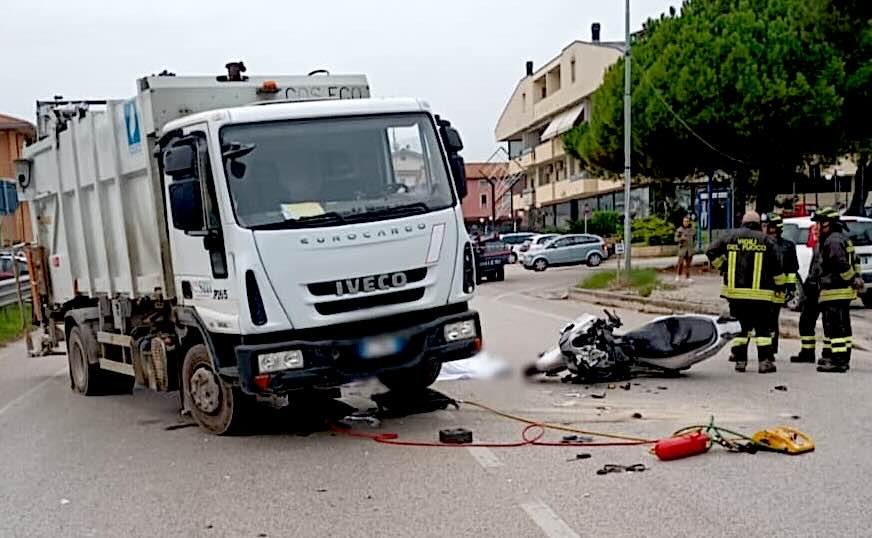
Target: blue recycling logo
(132,128)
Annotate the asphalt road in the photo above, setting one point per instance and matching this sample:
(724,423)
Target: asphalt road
(107,466)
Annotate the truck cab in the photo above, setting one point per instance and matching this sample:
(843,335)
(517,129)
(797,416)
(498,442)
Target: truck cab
(302,244)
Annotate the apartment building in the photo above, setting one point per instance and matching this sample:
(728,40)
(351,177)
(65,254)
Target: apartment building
(14,217)
(546,103)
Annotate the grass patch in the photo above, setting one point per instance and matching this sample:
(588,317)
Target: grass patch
(10,322)
(643,281)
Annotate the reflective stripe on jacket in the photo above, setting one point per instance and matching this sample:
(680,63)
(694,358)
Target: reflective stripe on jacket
(750,264)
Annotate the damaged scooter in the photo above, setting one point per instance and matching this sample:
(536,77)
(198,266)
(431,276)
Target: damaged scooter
(590,351)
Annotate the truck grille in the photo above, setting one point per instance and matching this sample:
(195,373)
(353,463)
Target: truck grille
(321,289)
(341,306)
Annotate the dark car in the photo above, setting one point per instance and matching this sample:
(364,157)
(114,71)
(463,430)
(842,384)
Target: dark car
(491,257)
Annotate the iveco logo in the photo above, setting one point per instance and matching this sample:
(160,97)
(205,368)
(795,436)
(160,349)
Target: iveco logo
(352,237)
(367,284)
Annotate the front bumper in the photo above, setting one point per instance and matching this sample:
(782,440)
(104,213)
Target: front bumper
(333,362)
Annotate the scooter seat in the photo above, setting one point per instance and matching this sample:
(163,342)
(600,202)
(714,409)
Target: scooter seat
(670,337)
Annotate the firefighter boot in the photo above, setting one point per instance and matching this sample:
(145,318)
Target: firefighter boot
(740,365)
(766,366)
(831,365)
(804,355)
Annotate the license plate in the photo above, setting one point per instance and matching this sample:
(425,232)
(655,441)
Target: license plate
(491,263)
(381,346)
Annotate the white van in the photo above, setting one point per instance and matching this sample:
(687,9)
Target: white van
(799,230)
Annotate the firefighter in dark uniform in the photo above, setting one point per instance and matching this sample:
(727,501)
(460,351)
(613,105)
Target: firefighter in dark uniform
(752,274)
(811,289)
(839,283)
(774,226)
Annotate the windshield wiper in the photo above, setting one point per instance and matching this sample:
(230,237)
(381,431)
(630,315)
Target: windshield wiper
(390,211)
(331,218)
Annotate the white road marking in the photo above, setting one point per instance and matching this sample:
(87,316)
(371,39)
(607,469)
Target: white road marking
(22,397)
(537,312)
(552,526)
(485,457)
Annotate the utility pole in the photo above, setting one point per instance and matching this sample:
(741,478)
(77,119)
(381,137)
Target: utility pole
(627,140)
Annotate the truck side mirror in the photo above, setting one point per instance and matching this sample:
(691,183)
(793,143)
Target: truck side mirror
(453,142)
(453,145)
(458,172)
(186,205)
(180,160)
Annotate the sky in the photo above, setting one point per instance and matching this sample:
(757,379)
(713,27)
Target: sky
(464,57)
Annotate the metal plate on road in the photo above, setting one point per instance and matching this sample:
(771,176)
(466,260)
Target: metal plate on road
(381,346)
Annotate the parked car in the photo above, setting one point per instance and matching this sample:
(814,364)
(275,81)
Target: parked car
(799,230)
(567,250)
(515,241)
(536,242)
(6,268)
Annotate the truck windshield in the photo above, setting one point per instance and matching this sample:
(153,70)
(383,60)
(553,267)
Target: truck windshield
(331,171)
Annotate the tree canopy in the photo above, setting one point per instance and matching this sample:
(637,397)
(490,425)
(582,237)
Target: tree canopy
(756,88)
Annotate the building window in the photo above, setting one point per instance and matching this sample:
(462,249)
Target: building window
(524,102)
(572,70)
(544,93)
(484,200)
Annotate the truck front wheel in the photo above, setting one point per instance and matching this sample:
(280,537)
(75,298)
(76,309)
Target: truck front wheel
(216,406)
(419,377)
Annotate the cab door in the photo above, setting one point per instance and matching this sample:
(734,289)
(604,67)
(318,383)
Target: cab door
(201,272)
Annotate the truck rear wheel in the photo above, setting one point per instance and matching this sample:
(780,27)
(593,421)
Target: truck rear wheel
(217,407)
(419,377)
(500,274)
(86,377)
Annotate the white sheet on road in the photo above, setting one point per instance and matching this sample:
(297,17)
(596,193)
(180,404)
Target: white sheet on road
(481,366)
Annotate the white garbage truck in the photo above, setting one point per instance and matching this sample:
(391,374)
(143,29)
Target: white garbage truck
(249,239)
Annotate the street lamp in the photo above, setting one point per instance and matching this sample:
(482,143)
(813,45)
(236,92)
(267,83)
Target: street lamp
(627,136)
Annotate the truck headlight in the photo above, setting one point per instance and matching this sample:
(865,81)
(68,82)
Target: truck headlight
(279,360)
(462,330)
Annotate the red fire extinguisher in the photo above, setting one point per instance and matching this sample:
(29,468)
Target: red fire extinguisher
(682,446)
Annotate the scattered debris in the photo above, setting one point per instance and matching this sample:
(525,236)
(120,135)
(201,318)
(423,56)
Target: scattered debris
(65,501)
(567,403)
(789,415)
(581,456)
(574,395)
(585,495)
(576,439)
(602,408)
(180,426)
(321,490)
(262,535)
(626,386)
(662,388)
(210,526)
(638,384)
(393,404)
(614,468)
(637,415)
(782,388)
(351,419)
(455,436)
(612,386)
(598,395)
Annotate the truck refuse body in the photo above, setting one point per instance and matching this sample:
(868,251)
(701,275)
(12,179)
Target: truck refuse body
(249,239)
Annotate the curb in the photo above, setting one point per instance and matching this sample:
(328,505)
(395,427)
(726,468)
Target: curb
(788,327)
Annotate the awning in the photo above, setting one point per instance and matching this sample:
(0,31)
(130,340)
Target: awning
(562,122)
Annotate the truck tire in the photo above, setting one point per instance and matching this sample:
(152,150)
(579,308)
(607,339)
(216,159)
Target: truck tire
(419,377)
(217,407)
(513,257)
(86,377)
(500,274)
